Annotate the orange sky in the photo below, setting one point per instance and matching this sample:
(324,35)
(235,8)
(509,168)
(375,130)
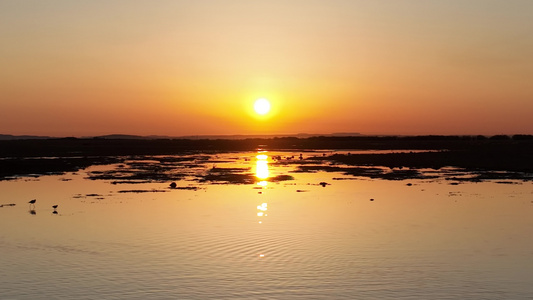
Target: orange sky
(77,68)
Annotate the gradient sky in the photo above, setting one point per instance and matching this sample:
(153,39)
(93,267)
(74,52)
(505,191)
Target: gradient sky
(77,68)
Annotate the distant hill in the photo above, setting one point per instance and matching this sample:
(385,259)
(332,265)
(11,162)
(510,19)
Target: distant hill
(6,137)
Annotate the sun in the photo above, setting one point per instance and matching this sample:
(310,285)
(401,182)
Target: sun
(262,106)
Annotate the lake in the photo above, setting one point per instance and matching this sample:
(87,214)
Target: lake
(256,225)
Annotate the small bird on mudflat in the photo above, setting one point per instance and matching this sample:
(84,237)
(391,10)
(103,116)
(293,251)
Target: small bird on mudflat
(55,206)
(32,201)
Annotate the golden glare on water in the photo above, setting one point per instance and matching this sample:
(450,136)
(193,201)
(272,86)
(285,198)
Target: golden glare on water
(261,168)
(262,156)
(262,173)
(262,106)
(263,207)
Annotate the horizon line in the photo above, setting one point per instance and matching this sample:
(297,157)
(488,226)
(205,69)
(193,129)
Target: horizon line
(240,136)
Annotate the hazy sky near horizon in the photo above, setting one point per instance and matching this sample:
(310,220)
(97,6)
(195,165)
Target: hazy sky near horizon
(75,68)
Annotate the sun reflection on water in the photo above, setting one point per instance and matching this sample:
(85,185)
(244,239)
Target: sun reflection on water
(262,156)
(262,207)
(262,183)
(262,173)
(261,169)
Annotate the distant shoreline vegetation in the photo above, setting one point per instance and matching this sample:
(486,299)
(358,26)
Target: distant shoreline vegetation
(24,157)
(105,145)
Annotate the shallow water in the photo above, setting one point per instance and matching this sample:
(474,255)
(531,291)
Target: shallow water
(291,239)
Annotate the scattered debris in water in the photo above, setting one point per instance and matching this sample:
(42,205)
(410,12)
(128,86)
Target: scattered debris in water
(189,188)
(281,178)
(130,181)
(142,191)
(96,196)
(228,178)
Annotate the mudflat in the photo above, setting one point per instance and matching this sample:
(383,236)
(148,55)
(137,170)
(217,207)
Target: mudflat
(485,155)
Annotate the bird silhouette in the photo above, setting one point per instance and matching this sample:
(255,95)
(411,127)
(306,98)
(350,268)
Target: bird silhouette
(32,202)
(55,206)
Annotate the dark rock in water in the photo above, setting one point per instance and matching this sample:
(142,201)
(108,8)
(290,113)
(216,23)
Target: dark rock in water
(323,184)
(371,199)
(173,185)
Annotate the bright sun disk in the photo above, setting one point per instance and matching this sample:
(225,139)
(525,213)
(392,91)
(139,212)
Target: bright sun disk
(262,106)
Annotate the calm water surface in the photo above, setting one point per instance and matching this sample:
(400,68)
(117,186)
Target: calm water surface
(290,239)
